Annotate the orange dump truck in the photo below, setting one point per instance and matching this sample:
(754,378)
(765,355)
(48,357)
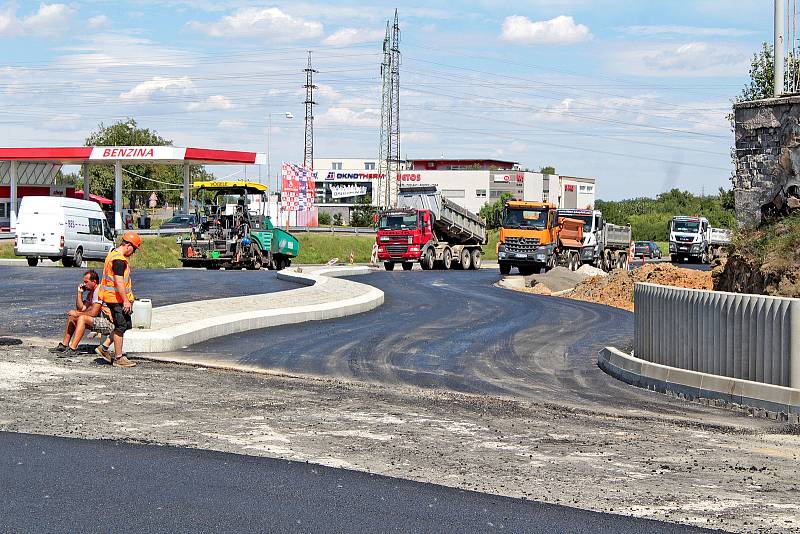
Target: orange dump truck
(533,238)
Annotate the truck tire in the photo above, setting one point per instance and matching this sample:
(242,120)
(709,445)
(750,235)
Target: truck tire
(388,265)
(574,261)
(67,262)
(447,259)
(428,259)
(505,268)
(465,259)
(32,262)
(77,260)
(407,265)
(475,256)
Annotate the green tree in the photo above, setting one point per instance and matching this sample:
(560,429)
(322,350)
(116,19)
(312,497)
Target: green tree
(324,219)
(363,213)
(548,170)
(138,180)
(492,213)
(762,76)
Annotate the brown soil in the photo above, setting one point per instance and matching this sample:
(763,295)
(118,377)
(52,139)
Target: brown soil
(616,289)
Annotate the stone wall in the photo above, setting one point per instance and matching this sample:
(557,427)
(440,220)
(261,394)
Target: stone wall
(767,153)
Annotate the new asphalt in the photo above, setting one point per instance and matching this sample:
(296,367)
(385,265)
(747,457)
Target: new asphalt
(34,300)
(50,484)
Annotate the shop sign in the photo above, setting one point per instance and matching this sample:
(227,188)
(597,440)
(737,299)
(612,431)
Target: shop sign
(345,191)
(569,187)
(352,176)
(409,177)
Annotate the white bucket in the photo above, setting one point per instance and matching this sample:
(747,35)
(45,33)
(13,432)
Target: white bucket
(142,313)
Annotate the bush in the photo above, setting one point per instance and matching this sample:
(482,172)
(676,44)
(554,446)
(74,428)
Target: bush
(324,219)
(337,220)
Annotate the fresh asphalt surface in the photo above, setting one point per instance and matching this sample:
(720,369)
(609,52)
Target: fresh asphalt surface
(34,300)
(50,484)
(456,330)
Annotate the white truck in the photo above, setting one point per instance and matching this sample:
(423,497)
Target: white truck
(67,229)
(605,245)
(693,239)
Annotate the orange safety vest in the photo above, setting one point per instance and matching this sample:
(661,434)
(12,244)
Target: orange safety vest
(108,290)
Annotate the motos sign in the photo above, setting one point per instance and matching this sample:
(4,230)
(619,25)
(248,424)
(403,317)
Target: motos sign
(409,177)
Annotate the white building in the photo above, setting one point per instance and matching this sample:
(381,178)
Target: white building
(342,182)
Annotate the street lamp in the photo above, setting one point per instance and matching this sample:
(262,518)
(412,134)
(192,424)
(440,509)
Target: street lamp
(286,115)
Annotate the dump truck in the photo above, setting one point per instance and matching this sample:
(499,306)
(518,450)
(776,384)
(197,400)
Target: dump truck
(533,237)
(693,239)
(234,230)
(605,245)
(428,228)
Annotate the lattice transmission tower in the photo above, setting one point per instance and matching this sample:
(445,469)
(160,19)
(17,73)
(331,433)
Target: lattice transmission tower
(308,151)
(389,149)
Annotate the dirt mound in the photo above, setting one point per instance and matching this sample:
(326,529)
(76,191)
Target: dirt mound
(558,279)
(616,289)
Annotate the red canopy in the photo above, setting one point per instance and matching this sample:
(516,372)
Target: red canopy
(96,198)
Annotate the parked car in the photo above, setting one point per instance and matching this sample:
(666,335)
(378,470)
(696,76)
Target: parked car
(180,221)
(646,249)
(66,229)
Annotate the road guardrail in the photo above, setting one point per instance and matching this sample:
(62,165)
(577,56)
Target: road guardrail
(749,337)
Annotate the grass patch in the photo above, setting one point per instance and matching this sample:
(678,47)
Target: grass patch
(490,248)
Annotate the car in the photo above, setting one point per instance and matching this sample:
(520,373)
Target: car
(646,249)
(180,221)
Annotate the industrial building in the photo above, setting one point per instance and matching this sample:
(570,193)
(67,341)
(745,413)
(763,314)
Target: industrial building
(345,182)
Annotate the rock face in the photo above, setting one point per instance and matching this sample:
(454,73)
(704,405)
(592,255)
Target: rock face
(767,155)
(743,274)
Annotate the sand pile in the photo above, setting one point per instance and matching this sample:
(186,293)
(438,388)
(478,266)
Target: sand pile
(616,289)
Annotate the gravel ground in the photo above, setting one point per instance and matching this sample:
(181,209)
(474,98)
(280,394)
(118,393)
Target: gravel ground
(740,477)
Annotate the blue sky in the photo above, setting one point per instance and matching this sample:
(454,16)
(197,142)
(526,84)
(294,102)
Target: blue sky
(632,93)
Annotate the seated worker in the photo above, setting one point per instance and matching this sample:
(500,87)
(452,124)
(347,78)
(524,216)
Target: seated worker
(86,314)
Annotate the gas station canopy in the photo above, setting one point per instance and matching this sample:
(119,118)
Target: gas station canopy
(44,163)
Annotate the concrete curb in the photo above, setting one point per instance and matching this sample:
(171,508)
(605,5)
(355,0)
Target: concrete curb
(696,385)
(181,335)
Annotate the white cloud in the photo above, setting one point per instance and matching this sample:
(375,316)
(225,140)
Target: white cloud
(686,30)
(683,59)
(159,84)
(557,31)
(349,36)
(213,102)
(101,51)
(269,23)
(347,117)
(228,124)
(98,22)
(49,20)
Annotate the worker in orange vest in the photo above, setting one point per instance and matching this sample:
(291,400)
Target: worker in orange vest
(116,290)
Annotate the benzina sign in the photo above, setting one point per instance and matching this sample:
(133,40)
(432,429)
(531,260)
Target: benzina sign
(128,153)
(138,153)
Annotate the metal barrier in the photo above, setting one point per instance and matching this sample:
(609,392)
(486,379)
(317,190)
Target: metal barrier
(750,337)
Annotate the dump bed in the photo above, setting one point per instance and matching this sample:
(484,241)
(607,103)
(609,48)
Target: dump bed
(719,236)
(452,223)
(616,236)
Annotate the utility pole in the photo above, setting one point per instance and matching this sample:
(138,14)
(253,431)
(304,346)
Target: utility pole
(389,148)
(779,48)
(308,151)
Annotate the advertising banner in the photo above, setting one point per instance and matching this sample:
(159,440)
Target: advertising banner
(298,187)
(346,191)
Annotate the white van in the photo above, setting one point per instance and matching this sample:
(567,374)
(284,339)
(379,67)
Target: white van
(66,229)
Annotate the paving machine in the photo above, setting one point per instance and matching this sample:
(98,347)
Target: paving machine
(234,230)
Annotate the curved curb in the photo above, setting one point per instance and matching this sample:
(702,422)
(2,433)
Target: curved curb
(181,335)
(695,385)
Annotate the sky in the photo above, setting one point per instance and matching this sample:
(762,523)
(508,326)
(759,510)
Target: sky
(634,94)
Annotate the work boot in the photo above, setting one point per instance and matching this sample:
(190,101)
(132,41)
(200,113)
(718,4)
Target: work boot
(68,353)
(104,353)
(122,361)
(60,348)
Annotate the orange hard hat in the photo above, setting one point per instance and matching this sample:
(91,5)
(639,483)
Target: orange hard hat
(132,238)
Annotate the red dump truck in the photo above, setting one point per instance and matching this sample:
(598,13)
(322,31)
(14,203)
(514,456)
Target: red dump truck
(427,228)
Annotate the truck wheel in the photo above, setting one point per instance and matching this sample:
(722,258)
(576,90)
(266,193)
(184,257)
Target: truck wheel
(32,262)
(407,265)
(505,268)
(476,259)
(447,259)
(388,265)
(573,262)
(428,260)
(465,260)
(67,262)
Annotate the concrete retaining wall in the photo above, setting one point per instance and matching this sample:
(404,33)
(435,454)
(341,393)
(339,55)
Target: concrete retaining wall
(748,337)
(696,385)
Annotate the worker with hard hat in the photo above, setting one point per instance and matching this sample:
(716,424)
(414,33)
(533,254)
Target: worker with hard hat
(116,290)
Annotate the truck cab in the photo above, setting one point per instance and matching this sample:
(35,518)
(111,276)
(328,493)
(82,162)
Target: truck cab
(592,229)
(528,236)
(402,234)
(688,239)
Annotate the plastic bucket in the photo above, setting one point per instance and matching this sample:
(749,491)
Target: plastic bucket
(142,313)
